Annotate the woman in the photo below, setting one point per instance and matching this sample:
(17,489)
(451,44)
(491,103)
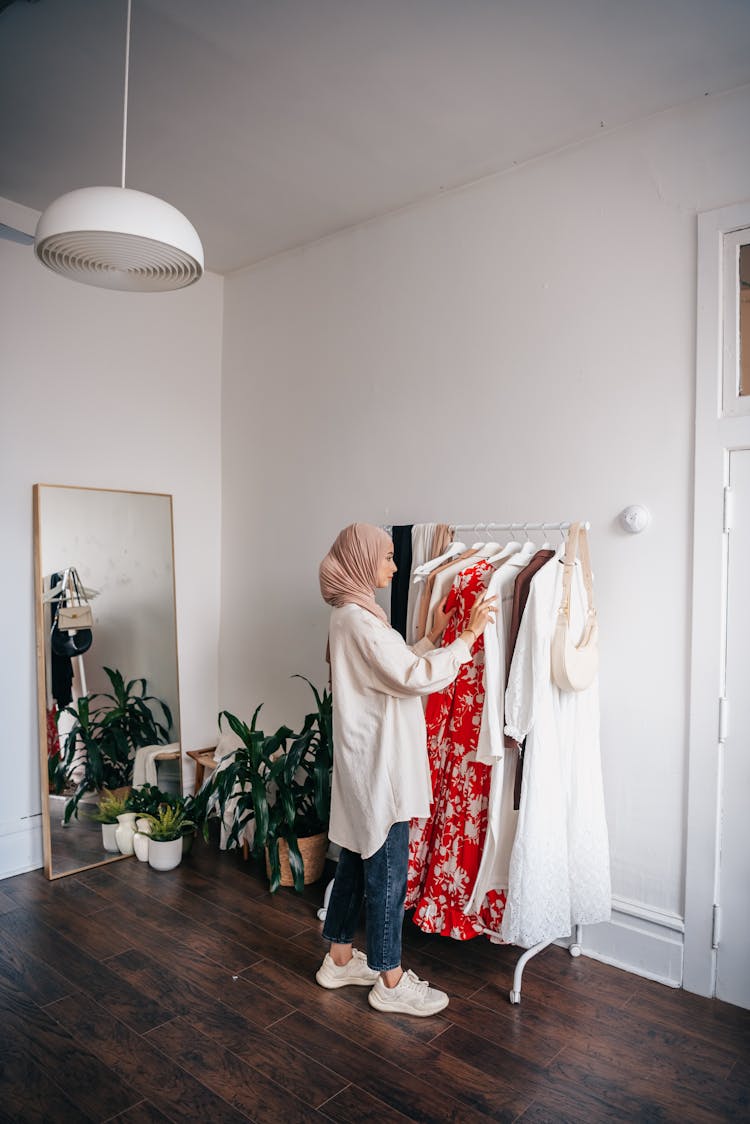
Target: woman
(381,776)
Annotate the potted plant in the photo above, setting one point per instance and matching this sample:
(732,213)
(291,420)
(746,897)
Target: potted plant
(165,838)
(111,805)
(278,787)
(146,800)
(108,728)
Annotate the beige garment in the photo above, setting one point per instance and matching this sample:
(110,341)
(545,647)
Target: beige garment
(428,541)
(436,579)
(442,537)
(381,773)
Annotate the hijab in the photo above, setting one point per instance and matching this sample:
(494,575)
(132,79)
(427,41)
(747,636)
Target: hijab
(349,571)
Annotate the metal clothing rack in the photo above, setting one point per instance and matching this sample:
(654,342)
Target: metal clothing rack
(574,948)
(480,528)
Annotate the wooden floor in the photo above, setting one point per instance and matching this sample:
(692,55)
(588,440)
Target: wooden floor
(141,996)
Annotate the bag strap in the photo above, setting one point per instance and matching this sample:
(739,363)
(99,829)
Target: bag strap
(75,592)
(577,544)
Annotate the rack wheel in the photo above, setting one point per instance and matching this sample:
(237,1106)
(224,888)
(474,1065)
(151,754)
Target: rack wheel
(322,914)
(515,996)
(575,950)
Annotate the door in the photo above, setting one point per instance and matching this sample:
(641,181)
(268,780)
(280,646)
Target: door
(732,935)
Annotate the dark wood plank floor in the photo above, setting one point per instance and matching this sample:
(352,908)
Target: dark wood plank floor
(132,995)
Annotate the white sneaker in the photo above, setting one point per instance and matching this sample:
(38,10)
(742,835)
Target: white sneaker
(355,972)
(410,996)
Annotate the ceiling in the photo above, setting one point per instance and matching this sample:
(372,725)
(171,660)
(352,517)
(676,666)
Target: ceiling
(273,123)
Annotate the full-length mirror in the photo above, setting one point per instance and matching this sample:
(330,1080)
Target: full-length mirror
(106,659)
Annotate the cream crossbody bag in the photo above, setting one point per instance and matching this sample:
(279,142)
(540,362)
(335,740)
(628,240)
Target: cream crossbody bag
(574,666)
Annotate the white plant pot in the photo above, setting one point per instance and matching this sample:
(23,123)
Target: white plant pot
(141,840)
(108,837)
(125,832)
(164,855)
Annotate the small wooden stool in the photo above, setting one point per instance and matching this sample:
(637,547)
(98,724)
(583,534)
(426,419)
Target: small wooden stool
(204,759)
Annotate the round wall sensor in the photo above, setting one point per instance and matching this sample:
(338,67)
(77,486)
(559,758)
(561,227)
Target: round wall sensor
(635,518)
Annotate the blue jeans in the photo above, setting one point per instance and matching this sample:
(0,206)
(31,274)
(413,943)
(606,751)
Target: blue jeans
(381,881)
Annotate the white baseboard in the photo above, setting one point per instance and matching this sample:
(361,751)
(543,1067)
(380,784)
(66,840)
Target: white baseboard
(21,846)
(639,939)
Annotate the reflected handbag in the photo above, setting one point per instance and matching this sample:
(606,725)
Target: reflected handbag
(574,666)
(74,616)
(72,627)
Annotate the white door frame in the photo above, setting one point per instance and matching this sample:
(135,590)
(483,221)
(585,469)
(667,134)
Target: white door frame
(716,435)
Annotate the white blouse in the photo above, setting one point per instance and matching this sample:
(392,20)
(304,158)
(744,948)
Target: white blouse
(381,773)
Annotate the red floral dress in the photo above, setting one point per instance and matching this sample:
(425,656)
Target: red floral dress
(446,848)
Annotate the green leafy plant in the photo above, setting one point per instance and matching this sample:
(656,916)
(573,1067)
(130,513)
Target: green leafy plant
(280,782)
(111,805)
(147,798)
(169,823)
(108,728)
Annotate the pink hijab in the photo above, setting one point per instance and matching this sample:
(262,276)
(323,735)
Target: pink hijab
(349,570)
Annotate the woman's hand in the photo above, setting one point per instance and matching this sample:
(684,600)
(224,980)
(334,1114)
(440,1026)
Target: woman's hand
(482,614)
(440,620)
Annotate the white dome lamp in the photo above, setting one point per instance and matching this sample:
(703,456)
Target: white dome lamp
(117,238)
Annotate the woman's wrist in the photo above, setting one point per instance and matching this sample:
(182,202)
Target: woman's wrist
(473,636)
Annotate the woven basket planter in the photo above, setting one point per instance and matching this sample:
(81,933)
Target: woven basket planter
(313,850)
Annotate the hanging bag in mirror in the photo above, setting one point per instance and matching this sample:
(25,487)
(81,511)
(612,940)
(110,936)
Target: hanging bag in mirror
(72,627)
(574,666)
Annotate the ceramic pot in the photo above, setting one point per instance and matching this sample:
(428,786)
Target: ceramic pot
(125,832)
(108,837)
(140,839)
(164,854)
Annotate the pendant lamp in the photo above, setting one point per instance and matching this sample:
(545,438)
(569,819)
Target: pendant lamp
(117,238)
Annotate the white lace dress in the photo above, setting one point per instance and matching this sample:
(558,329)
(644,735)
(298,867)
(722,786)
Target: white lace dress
(559,865)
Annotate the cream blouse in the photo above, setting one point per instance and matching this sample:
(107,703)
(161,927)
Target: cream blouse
(381,774)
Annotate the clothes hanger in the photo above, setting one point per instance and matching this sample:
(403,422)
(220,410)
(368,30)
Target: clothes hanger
(427,567)
(546,545)
(509,549)
(63,585)
(484,549)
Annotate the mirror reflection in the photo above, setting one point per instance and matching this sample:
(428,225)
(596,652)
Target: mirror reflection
(107,661)
(744,280)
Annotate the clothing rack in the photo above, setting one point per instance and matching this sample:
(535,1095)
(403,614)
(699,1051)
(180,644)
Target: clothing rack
(478,528)
(574,947)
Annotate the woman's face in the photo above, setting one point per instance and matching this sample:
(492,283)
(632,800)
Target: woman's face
(386,569)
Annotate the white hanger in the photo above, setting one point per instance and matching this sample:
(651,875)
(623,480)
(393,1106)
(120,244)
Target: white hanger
(509,548)
(427,567)
(62,586)
(484,549)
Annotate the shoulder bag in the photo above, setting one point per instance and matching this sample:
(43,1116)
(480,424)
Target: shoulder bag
(574,666)
(73,623)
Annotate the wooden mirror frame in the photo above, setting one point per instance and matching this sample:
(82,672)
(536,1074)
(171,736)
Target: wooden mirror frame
(42,666)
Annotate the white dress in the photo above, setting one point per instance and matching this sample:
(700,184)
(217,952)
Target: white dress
(491,750)
(559,867)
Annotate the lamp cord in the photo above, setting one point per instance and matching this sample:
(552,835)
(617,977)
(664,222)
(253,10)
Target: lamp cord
(125,100)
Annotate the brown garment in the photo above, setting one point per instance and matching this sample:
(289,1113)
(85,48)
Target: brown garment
(521,590)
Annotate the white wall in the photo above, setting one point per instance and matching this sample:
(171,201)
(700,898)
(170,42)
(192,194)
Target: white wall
(108,390)
(521,349)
